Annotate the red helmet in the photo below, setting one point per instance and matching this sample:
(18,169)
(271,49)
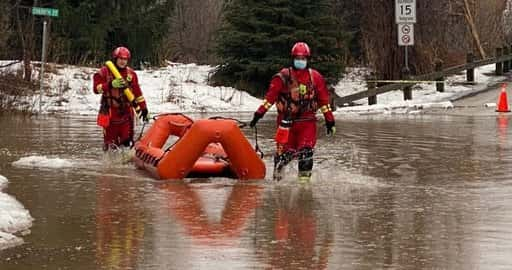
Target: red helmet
(122,52)
(301,49)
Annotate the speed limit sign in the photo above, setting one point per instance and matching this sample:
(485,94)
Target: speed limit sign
(405,11)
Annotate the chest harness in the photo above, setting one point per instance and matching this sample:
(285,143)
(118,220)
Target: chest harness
(115,97)
(297,98)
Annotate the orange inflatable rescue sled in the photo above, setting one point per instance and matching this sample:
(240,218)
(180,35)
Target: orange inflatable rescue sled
(206,147)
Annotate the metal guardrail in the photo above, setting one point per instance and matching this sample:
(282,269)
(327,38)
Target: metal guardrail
(503,64)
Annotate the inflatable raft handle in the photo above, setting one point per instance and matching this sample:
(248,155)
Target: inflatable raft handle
(240,123)
(165,114)
(180,124)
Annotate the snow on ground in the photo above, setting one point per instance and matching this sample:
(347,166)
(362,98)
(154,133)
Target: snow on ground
(183,88)
(424,94)
(174,88)
(14,218)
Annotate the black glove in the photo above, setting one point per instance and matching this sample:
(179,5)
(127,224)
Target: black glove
(331,129)
(257,116)
(144,115)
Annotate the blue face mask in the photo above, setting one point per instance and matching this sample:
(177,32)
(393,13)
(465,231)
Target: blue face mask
(300,63)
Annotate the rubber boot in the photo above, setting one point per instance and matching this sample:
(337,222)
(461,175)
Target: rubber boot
(304,176)
(279,162)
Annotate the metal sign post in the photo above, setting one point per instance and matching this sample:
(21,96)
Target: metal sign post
(43,12)
(405,17)
(406,38)
(43,60)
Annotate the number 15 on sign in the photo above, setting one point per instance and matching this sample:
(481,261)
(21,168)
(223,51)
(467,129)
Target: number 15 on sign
(405,11)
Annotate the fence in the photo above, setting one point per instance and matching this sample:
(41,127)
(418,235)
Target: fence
(502,59)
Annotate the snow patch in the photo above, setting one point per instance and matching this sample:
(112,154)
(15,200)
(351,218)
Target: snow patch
(14,219)
(3,182)
(425,95)
(43,162)
(404,107)
(174,88)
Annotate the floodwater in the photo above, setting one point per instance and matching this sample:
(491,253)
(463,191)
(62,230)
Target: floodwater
(388,192)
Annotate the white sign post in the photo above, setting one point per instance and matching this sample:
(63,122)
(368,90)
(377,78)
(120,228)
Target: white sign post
(51,12)
(405,17)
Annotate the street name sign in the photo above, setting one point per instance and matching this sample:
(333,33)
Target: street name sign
(52,12)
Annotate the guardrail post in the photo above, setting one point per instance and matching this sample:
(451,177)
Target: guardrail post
(499,65)
(332,101)
(509,54)
(440,79)
(470,72)
(372,98)
(408,93)
(408,89)
(506,64)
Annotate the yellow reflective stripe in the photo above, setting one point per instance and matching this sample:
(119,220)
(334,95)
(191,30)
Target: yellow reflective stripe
(325,108)
(267,104)
(139,99)
(99,88)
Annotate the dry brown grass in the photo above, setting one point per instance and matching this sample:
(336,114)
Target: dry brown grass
(14,92)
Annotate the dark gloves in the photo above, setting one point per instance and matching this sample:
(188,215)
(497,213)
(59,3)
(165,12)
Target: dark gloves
(257,116)
(144,115)
(119,83)
(331,129)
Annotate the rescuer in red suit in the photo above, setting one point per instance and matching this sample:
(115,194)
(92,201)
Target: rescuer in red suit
(116,115)
(298,92)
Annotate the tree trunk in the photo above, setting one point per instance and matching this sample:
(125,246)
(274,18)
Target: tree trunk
(26,34)
(473,29)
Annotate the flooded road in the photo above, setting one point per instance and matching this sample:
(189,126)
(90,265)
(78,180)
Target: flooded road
(388,192)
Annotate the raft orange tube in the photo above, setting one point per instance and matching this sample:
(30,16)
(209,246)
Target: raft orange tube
(208,147)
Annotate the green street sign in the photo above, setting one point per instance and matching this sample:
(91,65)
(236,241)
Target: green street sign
(52,12)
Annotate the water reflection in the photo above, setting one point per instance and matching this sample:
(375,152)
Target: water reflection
(119,223)
(295,233)
(502,127)
(186,206)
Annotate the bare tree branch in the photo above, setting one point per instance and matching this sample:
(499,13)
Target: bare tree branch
(192,29)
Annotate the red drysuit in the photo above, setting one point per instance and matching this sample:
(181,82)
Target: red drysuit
(119,130)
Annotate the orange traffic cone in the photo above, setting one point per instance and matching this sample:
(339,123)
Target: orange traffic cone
(502,101)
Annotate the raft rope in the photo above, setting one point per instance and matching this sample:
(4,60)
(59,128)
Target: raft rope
(256,146)
(240,123)
(140,134)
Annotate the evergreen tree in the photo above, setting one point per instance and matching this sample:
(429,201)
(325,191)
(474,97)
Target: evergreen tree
(256,37)
(88,31)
